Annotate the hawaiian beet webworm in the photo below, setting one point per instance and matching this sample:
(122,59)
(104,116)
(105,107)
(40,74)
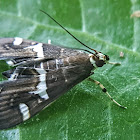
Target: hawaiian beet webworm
(41,73)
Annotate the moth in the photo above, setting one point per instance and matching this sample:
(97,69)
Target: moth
(40,74)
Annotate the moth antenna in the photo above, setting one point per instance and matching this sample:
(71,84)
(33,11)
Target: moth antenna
(67,31)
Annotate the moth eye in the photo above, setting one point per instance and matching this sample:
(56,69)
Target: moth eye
(107,57)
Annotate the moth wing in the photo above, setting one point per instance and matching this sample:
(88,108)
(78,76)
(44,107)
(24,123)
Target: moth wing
(15,48)
(19,51)
(22,97)
(30,89)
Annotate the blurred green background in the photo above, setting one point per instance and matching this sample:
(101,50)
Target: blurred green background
(84,113)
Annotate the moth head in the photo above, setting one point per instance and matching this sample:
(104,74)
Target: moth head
(98,59)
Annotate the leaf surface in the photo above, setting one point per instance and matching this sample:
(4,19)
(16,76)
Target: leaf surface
(84,112)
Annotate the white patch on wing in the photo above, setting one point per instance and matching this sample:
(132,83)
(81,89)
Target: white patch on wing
(62,50)
(37,48)
(24,109)
(13,76)
(48,67)
(41,87)
(57,63)
(10,63)
(17,41)
(41,65)
(49,41)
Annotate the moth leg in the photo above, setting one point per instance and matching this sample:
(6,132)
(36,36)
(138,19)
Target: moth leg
(105,91)
(114,63)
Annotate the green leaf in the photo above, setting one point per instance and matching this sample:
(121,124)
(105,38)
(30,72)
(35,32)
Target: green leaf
(84,112)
